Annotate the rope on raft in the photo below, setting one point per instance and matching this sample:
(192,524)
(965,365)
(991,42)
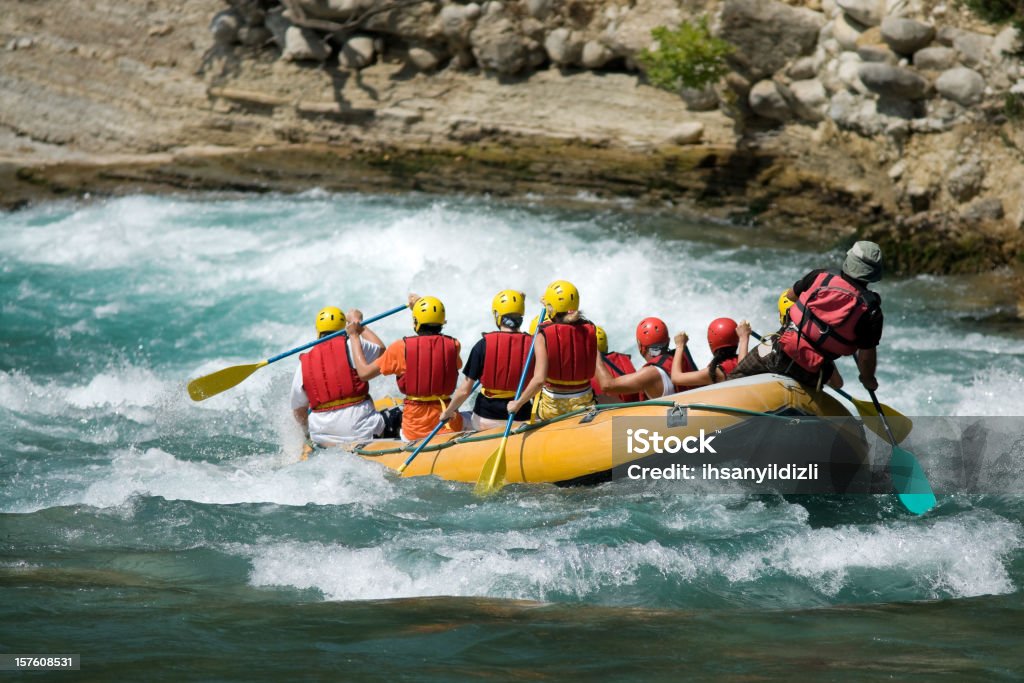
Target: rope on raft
(528,427)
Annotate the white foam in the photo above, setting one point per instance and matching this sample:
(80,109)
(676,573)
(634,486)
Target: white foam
(962,556)
(264,479)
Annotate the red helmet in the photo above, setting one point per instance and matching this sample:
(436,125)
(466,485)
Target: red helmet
(651,332)
(722,333)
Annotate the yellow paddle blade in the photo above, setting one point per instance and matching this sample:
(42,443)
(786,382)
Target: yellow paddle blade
(899,423)
(222,380)
(492,475)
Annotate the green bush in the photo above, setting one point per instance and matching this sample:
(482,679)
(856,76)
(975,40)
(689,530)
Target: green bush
(687,57)
(998,11)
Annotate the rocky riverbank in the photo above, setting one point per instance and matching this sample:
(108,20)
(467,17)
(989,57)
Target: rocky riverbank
(893,120)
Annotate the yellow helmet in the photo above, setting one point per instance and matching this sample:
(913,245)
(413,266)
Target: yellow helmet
(562,296)
(330,319)
(533,323)
(428,310)
(602,340)
(508,302)
(784,303)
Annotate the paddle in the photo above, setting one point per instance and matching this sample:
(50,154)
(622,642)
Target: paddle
(210,385)
(492,475)
(908,477)
(476,385)
(423,443)
(901,424)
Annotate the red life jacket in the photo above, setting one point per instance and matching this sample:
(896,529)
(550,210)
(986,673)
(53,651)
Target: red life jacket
(572,355)
(664,361)
(726,366)
(431,368)
(823,321)
(505,355)
(618,364)
(329,379)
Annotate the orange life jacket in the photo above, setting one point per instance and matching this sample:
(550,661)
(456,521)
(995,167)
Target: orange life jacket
(823,321)
(572,354)
(431,368)
(505,356)
(329,378)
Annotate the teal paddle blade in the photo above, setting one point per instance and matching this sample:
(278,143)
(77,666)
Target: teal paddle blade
(910,482)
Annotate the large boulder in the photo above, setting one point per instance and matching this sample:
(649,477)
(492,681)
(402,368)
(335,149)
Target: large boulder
(357,52)
(595,55)
(767,34)
(457,22)
(225,26)
(974,48)
(962,85)
(334,10)
(892,81)
(906,36)
(499,46)
(424,58)
(846,32)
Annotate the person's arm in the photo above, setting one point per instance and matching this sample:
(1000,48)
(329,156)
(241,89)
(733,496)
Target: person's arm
(458,398)
(356,316)
(633,383)
(743,331)
(678,359)
(540,374)
(366,371)
(867,361)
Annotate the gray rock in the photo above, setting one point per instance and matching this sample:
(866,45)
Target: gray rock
(457,21)
(855,112)
(935,58)
(538,9)
(278,26)
(973,47)
(303,45)
(768,34)
(630,29)
(700,100)
(498,46)
(802,69)
(689,133)
(254,36)
(846,32)
(964,86)
(1007,42)
(906,36)
(357,53)
(224,27)
(595,55)
(964,181)
(867,12)
(563,47)
(424,59)
(809,99)
(767,100)
(990,209)
(877,53)
(893,81)
(848,72)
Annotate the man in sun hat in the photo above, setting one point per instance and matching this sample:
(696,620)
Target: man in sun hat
(833,314)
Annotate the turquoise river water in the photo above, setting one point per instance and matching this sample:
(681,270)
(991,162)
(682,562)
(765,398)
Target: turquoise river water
(163,539)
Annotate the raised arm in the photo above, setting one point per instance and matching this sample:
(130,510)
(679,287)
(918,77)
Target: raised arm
(743,332)
(366,371)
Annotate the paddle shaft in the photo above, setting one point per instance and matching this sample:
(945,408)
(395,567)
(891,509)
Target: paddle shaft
(885,422)
(331,336)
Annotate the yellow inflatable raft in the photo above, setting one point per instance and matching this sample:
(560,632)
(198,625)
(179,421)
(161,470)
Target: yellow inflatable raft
(587,447)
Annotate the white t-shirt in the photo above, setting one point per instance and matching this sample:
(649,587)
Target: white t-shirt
(666,383)
(353,423)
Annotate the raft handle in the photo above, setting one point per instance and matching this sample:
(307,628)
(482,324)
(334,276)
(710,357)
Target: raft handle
(676,416)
